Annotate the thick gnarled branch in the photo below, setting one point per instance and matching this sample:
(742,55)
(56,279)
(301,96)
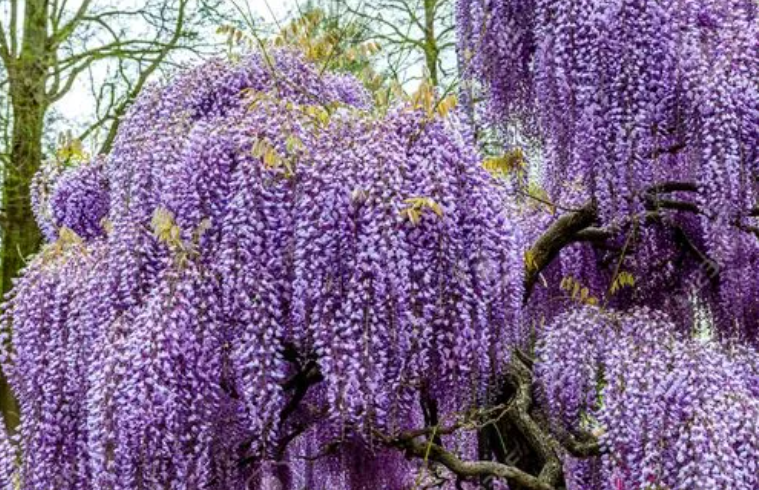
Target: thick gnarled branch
(560,234)
(471,469)
(519,415)
(580,226)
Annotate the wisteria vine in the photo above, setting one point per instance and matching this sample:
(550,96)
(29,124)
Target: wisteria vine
(670,411)
(272,283)
(256,217)
(647,110)
(641,205)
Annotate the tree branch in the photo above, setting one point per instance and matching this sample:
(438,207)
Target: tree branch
(654,202)
(144,75)
(576,226)
(560,234)
(673,186)
(307,374)
(470,469)
(62,34)
(670,150)
(540,439)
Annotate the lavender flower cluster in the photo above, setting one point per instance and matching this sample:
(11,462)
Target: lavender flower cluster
(255,217)
(80,200)
(76,198)
(627,94)
(671,411)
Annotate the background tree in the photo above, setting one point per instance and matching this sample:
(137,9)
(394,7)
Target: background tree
(412,33)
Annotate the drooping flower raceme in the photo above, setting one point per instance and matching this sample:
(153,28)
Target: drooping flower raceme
(81,201)
(673,412)
(256,218)
(626,92)
(7,461)
(267,277)
(627,95)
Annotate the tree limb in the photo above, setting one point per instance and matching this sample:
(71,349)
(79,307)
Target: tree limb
(143,78)
(540,439)
(577,226)
(470,469)
(560,234)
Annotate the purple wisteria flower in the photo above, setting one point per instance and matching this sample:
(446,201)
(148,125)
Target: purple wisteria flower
(260,217)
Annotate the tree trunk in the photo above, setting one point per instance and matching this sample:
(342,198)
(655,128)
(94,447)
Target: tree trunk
(431,50)
(27,77)
(21,237)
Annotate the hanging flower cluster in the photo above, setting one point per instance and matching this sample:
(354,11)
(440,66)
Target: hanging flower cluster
(626,92)
(80,200)
(496,47)
(268,278)
(625,95)
(7,462)
(255,221)
(672,412)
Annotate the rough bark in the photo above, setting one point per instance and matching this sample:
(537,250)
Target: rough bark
(431,51)
(560,234)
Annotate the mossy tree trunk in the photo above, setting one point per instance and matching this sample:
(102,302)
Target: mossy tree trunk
(430,45)
(27,74)
(20,237)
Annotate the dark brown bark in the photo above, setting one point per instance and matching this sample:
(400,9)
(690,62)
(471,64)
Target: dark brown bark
(561,233)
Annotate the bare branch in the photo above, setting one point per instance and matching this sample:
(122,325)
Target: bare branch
(583,446)
(470,469)
(594,234)
(576,226)
(5,52)
(671,150)
(674,204)
(560,234)
(14,41)
(145,75)
(60,35)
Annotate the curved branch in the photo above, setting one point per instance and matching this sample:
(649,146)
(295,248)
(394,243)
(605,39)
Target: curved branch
(577,226)
(471,469)
(654,202)
(521,372)
(560,234)
(580,448)
(539,438)
(673,186)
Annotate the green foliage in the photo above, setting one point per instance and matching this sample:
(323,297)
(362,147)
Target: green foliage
(70,151)
(511,161)
(621,280)
(417,206)
(577,291)
(167,231)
